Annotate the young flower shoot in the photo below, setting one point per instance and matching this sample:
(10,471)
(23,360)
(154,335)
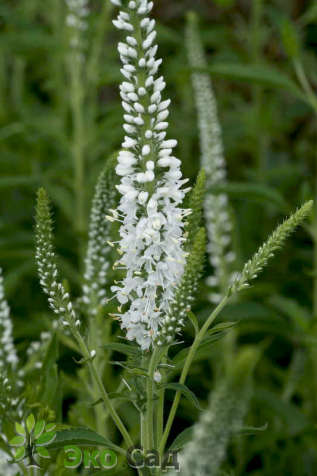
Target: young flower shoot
(150,212)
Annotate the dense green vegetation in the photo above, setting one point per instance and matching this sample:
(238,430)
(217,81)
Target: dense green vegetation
(61,121)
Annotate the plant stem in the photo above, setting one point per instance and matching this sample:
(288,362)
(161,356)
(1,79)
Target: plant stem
(190,357)
(105,397)
(160,415)
(149,440)
(77,103)
(302,78)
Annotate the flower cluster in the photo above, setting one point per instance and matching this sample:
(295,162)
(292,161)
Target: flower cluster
(58,297)
(76,21)
(8,356)
(152,220)
(212,161)
(10,377)
(98,251)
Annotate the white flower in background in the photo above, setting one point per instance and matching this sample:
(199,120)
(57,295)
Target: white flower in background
(8,356)
(218,222)
(6,468)
(150,212)
(76,21)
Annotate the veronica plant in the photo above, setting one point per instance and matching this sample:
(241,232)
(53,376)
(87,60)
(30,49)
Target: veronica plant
(155,230)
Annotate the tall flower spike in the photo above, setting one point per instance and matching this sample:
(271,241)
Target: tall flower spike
(58,297)
(98,252)
(217,215)
(10,379)
(8,356)
(150,212)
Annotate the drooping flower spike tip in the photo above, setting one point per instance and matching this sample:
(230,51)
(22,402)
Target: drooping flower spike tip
(150,212)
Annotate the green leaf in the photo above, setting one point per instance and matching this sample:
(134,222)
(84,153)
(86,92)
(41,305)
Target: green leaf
(131,370)
(18,181)
(213,335)
(39,428)
(20,454)
(20,429)
(256,192)
(50,426)
(178,387)
(296,422)
(257,74)
(30,423)
(290,38)
(126,349)
(252,430)
(18,440)
(43,452)
(50,375)
(83,437)
(194,321)
(46,438)
(182,439)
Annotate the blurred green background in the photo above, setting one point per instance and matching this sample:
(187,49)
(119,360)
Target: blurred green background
(263,63)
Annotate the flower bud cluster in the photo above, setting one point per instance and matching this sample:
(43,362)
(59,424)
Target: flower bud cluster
(184,296)
(218,222)
(58,297)
(150,212)
(99,246)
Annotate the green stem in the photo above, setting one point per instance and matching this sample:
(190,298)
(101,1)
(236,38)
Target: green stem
(302,78)
(190,357)
(104,395)
(77,104)
(149,439)
(160,414)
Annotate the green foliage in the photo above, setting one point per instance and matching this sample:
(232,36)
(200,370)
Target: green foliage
(268,129)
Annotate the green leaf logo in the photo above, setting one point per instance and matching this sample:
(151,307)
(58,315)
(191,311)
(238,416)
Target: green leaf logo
(31,439)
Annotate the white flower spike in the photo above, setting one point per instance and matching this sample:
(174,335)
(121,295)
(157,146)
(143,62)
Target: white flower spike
(150,212)
(8,356)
